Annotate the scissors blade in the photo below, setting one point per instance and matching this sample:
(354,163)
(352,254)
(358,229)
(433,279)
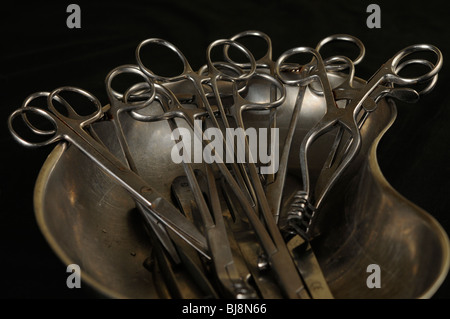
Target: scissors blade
(150,222)
(162,209)
(172,218)
(160,233)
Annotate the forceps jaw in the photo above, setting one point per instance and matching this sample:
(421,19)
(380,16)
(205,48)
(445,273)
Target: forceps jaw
(85,120)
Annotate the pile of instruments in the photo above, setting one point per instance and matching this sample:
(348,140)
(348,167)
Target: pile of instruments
(229,229)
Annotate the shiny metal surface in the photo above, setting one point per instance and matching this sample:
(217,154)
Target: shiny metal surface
(90,221)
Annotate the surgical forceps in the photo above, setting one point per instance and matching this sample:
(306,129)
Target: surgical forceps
(307,202)
(213,223)
(346,92)
(272,241)
(274,191)
(211,78)
(264,62)
(235,110)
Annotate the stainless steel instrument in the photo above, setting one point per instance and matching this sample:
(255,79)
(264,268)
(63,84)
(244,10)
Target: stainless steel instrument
(112,199)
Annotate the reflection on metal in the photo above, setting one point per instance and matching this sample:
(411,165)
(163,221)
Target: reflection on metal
(312,229)
(364,220)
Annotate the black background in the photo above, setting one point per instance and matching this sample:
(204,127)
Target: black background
(39,53)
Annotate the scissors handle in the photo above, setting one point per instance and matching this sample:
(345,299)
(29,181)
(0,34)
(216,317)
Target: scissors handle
(32,98)
(52,115)
(140,190)
(72,114)
(381,83)
(40,115)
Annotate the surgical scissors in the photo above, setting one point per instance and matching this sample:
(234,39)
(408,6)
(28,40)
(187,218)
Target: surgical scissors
(308,202)
(115,108)
(71,127)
